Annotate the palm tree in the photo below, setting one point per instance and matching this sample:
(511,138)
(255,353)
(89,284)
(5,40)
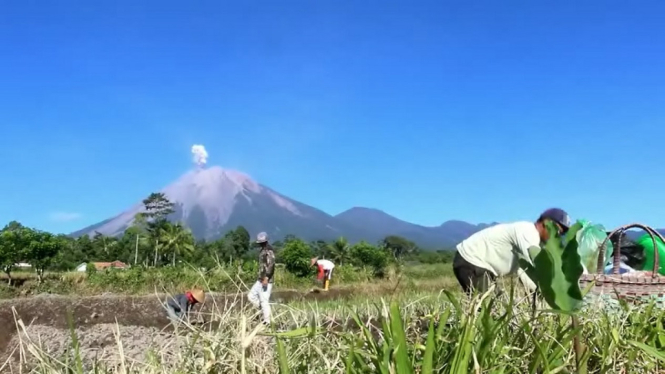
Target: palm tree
(175,238)
(340,251)
(105,245)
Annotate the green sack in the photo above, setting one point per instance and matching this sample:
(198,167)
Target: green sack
(589,239)
(646,242)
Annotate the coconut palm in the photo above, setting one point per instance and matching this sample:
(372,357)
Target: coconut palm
(340,251)
(175,239)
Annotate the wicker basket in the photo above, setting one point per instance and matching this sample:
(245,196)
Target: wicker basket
(628,286)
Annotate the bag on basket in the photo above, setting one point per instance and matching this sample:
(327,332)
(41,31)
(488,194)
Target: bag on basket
(631,253)
(589,240)
(646,243)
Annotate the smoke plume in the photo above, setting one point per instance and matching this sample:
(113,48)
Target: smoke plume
(200,155)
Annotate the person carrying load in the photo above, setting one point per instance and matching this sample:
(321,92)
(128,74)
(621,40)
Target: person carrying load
(325,268)
(179,306)
(495,251)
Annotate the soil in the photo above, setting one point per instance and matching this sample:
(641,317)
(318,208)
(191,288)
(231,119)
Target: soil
(142,321)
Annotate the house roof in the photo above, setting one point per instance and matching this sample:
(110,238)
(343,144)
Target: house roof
(104,265)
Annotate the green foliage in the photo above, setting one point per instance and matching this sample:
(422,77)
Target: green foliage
(90,269)
(157,206)
(339,251)
(320,249)
(153,241)
(365,254)
(238,241)
(41,249)
(398,246)
(174,240)
(12,244)
(296,256)
(557,269)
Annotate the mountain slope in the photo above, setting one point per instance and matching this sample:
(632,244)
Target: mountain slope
(381,224)
(214,200)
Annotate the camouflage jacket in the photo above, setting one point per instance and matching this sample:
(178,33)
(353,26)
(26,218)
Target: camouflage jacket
(266,263)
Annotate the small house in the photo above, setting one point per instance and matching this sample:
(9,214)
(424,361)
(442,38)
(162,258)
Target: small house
(103,265)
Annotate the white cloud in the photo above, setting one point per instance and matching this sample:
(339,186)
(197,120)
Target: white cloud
(64,216)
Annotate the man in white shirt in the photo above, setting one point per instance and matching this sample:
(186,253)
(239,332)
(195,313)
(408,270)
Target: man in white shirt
(494,251)
(325,268)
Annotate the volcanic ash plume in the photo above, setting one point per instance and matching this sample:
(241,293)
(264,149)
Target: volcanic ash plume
(200,155)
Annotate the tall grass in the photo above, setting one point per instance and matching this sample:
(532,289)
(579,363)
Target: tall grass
(414,333)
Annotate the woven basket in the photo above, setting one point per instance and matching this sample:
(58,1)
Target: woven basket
(629,286)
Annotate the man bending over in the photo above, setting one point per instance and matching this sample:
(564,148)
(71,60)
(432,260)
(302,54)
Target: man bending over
(495,250)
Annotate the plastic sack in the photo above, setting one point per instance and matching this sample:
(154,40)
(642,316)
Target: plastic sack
(631,253)
(623,269)
(589,240)
(646,243)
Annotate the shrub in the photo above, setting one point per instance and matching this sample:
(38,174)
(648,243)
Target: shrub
(365,254)
(296,256)
(90,268)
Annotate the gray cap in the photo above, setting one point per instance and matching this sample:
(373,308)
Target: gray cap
(262,237)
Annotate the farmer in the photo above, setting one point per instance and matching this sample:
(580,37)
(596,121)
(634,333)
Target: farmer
(180,305)
(259,295)
(494,251)
(325,268)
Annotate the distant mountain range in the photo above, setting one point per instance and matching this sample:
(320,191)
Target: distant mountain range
(213,200)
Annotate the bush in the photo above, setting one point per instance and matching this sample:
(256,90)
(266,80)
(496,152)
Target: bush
(296,256)
(90,268)
(365,254)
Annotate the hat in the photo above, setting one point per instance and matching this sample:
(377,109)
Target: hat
(314,260)
(198,295)
(262,237)
(557,215)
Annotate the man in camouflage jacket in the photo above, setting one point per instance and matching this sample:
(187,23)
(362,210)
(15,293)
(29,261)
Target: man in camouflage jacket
(259,295)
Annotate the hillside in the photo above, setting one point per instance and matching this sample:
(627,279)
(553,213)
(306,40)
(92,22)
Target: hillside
(211,201)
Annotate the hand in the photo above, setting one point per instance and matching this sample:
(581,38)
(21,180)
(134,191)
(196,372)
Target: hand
(264,282)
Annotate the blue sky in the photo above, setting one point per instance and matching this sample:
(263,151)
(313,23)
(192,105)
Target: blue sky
(429,110)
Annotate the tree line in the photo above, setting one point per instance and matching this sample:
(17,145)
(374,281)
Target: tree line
(153,241)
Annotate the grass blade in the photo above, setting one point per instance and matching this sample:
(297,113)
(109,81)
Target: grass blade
(428,356)
(399,338)
(651,351)
(282,357)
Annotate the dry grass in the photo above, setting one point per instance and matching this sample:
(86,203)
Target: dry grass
(318,338)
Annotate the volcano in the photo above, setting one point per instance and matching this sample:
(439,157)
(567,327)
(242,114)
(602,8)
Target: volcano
(212,201)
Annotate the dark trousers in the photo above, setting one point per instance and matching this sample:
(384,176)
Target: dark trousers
(470,276)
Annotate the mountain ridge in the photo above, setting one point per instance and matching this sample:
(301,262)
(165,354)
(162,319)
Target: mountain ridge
(212,201)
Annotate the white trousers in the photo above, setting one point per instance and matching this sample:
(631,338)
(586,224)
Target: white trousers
(261,299)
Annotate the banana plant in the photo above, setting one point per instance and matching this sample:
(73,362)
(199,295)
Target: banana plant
(557,268)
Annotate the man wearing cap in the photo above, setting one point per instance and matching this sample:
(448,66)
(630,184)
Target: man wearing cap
(495,251)
(259,295)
